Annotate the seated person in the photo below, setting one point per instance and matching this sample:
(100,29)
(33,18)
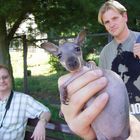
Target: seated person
(16,108)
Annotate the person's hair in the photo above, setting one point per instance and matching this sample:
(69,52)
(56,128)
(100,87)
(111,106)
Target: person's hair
(111,4)
(5,67)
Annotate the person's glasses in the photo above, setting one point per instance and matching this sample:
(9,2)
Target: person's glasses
(4,77)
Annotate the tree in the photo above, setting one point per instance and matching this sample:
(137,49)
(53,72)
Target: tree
(51,15)
(12,14)
(55,17)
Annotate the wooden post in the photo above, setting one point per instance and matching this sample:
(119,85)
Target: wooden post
(25,50)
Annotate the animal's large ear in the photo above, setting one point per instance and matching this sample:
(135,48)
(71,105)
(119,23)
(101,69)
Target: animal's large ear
(81,37)
(50,47)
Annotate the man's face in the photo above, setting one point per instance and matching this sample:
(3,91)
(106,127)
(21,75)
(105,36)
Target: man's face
(114,22)
(5,80)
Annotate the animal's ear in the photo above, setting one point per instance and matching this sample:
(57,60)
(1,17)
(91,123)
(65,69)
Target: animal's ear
(50,47)
(81,37)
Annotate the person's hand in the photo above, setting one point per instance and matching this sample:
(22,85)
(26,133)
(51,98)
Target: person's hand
(79,92)
(134,129)
(136,50)
(39,131)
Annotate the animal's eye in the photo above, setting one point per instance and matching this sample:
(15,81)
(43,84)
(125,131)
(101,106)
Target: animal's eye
(77,49)
(59,55)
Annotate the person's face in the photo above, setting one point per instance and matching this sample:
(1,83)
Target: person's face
(5,80)
(114,22)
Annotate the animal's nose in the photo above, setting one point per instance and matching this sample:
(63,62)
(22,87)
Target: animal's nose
(72,63)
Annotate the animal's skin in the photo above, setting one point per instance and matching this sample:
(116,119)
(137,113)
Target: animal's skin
(113,122)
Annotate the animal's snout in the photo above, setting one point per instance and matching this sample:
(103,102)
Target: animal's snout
(73,63)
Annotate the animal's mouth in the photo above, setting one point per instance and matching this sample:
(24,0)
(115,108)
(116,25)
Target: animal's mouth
(73,67)
(73,64)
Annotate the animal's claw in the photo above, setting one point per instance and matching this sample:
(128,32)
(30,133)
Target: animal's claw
(65,101)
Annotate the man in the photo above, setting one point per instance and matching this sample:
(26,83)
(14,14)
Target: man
(91,82)
(122,54)
(16,108)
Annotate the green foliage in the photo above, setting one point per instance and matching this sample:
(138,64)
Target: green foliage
(56,66)
(65,16)
(133,13)
(59,17)
(93,46)
(13,9)
(39,83)
(62,18)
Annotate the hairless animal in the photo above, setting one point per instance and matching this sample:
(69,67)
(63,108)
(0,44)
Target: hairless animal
(113,121)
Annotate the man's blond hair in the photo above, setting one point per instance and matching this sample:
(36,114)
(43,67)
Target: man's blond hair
(111,4)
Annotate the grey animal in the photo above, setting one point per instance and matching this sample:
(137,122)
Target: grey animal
(113,121)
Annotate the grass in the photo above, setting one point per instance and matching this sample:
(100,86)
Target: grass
(41,87)
(37,61)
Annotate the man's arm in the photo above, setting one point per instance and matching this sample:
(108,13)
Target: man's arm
(39,131)
(134,128)
(45,117)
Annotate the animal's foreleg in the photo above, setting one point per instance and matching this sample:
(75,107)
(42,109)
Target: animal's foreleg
(63,94)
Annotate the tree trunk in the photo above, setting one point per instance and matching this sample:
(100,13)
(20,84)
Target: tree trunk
(4,46)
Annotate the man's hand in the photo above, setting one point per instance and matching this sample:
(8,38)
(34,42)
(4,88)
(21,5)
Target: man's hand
(134,128)
(39,131)
(79,92)
(136,50)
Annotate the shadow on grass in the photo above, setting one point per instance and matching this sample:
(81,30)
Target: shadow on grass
(41,87)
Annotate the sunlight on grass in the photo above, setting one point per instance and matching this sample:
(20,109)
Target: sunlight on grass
(37,61)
